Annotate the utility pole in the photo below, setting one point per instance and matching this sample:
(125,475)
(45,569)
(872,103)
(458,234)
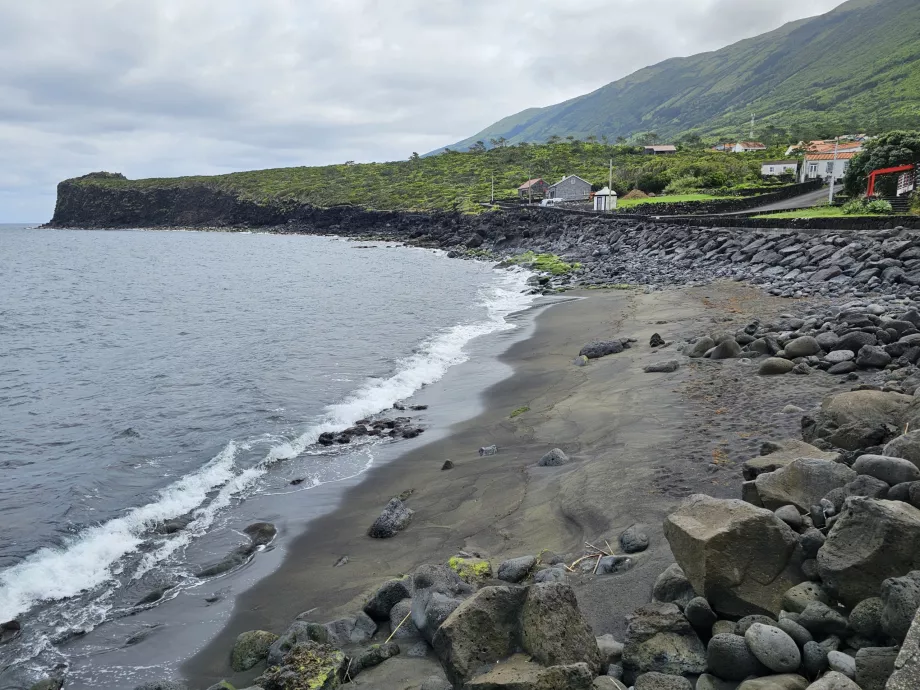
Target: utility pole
(609,188)
(530,188)
(493,189)
(830,197)
(752,126)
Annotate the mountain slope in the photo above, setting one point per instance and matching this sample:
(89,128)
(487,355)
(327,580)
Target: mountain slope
(854,68)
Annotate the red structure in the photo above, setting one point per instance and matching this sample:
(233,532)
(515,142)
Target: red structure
(885,171)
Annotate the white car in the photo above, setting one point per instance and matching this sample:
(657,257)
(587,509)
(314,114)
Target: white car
(551,202)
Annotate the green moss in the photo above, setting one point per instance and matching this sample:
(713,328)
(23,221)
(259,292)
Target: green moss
(471,570)
(315,666)
(519,411)
(545,263)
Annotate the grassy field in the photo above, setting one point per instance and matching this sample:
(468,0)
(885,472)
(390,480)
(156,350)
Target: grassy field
(455,180)
(668,198)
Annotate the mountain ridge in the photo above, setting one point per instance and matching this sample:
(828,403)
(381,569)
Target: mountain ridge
(808,78)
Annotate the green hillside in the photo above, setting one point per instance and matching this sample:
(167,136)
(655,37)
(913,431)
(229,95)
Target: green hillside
(462,180)
(856,68)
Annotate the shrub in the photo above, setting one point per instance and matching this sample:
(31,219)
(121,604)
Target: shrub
(854,207)
(879,206)
(863,206)
(688,184)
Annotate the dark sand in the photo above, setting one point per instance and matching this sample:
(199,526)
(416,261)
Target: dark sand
(637,444)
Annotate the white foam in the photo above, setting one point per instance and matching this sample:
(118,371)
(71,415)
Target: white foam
(95,555)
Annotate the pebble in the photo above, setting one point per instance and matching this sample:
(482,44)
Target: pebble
(842,663)
(774,648)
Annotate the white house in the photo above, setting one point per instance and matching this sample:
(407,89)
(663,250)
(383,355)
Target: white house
(824,166)
(777,168)
(605,200)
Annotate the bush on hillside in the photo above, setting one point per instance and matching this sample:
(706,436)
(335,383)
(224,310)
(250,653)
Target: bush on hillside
(856,207)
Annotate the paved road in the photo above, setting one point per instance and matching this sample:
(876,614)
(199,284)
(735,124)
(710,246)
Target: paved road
(803,201)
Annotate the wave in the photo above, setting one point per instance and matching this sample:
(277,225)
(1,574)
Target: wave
(95,555)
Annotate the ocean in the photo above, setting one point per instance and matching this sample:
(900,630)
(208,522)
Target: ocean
(147,376)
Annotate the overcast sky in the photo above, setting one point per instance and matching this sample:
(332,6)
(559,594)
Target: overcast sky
(178,87)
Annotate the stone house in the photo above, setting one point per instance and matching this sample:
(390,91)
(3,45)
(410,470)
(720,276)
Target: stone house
(570,188)
(535,188)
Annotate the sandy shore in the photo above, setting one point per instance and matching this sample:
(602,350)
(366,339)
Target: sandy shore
(637,442)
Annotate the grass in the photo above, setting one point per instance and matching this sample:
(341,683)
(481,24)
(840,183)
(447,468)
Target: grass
(545,263)
(673,198)
(816,212)
(519,411)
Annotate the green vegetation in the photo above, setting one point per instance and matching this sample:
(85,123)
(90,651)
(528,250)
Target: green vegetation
(854,69)
(816,212)
(460,181)
(519,411)
(471,570)
(546,263)
(668,198)
(863,207)
(886,151)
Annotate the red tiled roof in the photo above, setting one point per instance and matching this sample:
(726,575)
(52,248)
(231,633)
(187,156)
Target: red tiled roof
(841,155)
(529,183)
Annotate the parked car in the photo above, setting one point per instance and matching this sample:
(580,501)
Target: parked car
(551,202)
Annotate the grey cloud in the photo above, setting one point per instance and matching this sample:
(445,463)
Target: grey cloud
(176,87)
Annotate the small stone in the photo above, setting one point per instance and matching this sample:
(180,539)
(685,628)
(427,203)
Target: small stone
(775,366)
(609,565)
(842,663)
(394,518)
(729,657)
(633,540)
(656,340)
(700,614)
(797,599)
(790,515)
(814,659)
(448,465)
(488,450)
(774,648)
(795,631)
(839,356)
(792,409)
(802,347)
(811,540)
(516,569)
(554,458)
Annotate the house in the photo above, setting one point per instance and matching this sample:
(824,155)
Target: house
(778,168)
(826,166)
(660,150)
(570,188)
(605,200)
(740,147)
(827,146)
(533,189)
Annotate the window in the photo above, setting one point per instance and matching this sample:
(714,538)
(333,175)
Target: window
(772,169)
(812,168)
(830,168)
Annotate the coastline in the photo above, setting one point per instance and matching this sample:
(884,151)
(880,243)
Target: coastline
(639,443)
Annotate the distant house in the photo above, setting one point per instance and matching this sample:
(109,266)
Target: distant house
(778,168)
(740,147)
(828,145)
(826,166)
(662,150)
(605,200)
(535,189)
(571,188)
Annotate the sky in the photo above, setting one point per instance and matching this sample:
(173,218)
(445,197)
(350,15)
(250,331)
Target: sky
(188,87)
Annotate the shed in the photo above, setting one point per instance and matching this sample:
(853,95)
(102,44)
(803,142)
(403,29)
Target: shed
(660,150)
(535,188)
(571,188)
(605,200)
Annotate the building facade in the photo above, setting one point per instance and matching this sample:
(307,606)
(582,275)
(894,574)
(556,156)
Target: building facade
(571,188)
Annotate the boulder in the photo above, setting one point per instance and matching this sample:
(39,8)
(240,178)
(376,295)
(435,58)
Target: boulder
(557,574)
(727,349)
(871,541)
(700,614)
(833,681)
(741,558)
(728,656)
(821,620)
(872,357)
(701,347)
(866,618)
(554,458)
(659,638)
(890,470)
(795,631)
(855,341)
(790,515)
(857,419)
(394,518)
(516,569)
(842,663)
(372,656)
(661,681)
(609,565)
(804,346)
(900,601)
(356,629)
(874,665)
(436,592)
(907,665)
(781,454)
(839,356)
(298,633)
(785,681)
(905,446)
(520,674)
(673,586)
(775,366)
(802,483)
(250,648)
(308,665)
(797,598)
(633,540)
(865,485)
(471,570)
(773,648)
(664,367)
(602,348)
(481,631)
(386,597)
(814,659)
(403,628)
(553,630)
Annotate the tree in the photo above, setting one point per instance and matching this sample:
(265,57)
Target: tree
(886,151)
(414,157)
(591,138)
(478,147)
(498,143)
(554,139)
(691,141)
(647,138)
(621,140)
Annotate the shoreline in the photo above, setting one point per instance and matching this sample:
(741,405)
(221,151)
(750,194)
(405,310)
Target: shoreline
(636,451)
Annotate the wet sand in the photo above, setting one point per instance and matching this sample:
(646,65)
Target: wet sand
(638,443)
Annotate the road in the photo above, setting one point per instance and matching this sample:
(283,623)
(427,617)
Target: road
(803,201)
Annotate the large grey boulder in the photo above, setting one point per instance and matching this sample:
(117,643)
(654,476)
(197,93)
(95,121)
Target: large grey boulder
(659,638)
(874,665)
(900,601)
(858,419)
(250,648)
(729,657)
(834,681)
(481,631)
(727,349)
(905,446)
(889,469)
(394,518)
(802,483)
(386,597)
(773,648)
(741,558)
(782,453)
(553,630)
(804,346)
(516,569)
(436,591)
(601,348)
(870,541)
(907,665)
(553,458)
(872,357)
